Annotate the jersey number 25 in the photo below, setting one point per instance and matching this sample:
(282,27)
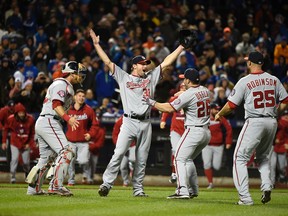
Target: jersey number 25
(264,99)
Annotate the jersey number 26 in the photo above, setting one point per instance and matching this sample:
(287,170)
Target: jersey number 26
(203,108)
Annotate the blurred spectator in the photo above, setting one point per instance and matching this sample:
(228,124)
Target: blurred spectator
(244,47)
(53,64)
(204,44)
(40,37)
(63,43)
(89,99)
(281,49)
(226,84)
(280,69)
(28,98)
(226,45)
(30,45)
(40,61)
(217,30)
(6,70)
(5,90)
(40,85)
(232,69)
(235,33)
(30,71)
(20,72)
(105,85)
(16,88)
(161,51)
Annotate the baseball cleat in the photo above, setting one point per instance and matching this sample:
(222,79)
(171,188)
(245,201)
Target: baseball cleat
(240,202)
(32,191)
(178,196)
(103,190)
(191,195)
(210,186)
(62,192)
(141,194)
(266,197)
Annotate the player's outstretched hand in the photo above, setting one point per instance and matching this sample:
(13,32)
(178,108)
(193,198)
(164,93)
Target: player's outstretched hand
(148,101)
(73,123)
(95,38)
(162,124)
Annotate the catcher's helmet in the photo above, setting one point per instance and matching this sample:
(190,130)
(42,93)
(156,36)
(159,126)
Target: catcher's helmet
(74,67)
(70,67)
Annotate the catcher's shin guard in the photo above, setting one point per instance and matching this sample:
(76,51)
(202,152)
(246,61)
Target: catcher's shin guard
(61,167)
(37,174)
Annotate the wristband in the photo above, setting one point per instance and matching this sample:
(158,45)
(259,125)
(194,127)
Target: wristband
(66,117)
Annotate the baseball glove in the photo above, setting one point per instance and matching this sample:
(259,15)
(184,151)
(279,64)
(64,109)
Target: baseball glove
(188,38)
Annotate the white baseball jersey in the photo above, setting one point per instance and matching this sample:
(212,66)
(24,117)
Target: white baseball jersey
(260,92)
(61,90)
(197,109)
(132,89)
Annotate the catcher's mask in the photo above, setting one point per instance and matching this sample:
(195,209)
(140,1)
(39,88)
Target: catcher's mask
(72,67)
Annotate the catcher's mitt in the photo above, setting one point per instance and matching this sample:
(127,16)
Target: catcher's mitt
(188,38)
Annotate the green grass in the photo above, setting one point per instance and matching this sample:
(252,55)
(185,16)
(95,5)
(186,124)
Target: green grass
(86,201)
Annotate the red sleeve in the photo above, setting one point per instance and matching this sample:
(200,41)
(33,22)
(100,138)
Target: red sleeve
(116,129)
(285,101)
(6,128)
(228,128)
(56,103)
(166,115)
(94,123)
(98,142)
(232,105)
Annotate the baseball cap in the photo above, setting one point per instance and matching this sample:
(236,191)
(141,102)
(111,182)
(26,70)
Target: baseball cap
(192,74)
(214,106)
(255,57)
(11,103)
(227,29)
(139,59)
(27,58)
(159,38)
(20,65)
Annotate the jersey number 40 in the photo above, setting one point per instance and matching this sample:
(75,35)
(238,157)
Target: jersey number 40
(264,99)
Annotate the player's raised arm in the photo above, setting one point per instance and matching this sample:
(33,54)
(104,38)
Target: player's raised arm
(171,57)
(104,57)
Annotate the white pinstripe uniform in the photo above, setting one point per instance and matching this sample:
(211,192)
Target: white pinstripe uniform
(260,92)
(50,134)
(132,89)
(196,105)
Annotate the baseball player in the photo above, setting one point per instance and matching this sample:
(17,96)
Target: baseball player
(136,123)
(79,139)
(129,158)
(50,135)
(21,128)
(196,104)
(278,157)
(260,92)
(5,112)
(212,154)
(176,129)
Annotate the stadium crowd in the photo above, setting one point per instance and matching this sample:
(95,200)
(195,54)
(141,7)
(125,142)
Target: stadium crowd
(39,36)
